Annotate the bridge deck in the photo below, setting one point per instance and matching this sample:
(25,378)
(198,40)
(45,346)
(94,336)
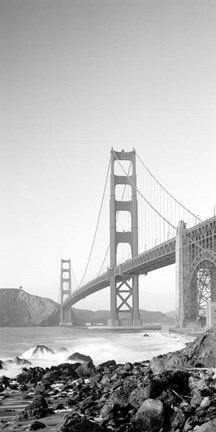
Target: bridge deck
(160,256)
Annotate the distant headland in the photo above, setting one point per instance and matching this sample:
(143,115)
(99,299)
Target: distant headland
(21,309)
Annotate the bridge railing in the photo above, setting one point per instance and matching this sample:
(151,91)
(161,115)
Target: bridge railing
(154,253)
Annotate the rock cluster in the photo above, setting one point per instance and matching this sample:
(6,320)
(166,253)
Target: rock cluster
(199,353)
(156,396)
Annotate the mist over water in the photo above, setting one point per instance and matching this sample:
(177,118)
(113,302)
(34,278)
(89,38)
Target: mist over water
(100,345)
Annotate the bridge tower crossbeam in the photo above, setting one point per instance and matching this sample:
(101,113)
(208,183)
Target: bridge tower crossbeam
(124,294)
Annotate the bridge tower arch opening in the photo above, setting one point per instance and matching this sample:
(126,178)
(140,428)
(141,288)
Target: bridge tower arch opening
(124,291)
(201,291)
(195,272)
(65,291)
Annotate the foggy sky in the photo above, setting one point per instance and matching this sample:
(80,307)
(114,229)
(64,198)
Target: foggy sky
(78,77)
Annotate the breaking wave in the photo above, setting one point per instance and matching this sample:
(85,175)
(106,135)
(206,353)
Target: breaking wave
(100,346)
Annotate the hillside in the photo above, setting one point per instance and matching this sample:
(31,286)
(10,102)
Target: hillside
(101,316)
(19,309)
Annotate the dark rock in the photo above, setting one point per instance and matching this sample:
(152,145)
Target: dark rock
(127,366)
(149,417)
(60,406)
(117,384)
(35,410)
(71,402)
(86,369)
(178,419)
(146,335)
(1,364)
(64,371)
(5,381)
(138,396)
(40,388)
(37,425)
(79,424)
(119,399)
(79,357)
(107,364)
(30,375)
(14,385)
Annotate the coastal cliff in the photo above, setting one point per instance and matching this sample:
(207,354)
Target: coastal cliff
(18,309)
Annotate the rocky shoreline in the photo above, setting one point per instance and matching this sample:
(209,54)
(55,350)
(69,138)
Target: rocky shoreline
(172,392)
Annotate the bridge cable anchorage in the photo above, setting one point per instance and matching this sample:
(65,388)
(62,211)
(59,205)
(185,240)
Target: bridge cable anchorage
(140,193)
(165,190)
(96,228)
(123,193)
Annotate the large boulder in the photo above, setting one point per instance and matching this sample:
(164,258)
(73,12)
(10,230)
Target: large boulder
(78,424)
(35,410)
(37,425)
(149,417)
(79,357)
(86,369)
(209,426)
(31,375)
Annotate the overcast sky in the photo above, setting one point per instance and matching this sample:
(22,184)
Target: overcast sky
(78,77)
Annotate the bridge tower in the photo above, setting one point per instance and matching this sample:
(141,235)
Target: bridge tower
(124,291)
(195,272)
(65,290)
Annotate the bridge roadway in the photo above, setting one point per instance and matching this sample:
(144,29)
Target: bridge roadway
(160,256)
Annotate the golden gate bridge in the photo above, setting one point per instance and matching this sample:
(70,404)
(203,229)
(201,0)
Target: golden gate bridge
(150,227)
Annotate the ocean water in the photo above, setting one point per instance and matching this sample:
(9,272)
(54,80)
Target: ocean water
(101,345)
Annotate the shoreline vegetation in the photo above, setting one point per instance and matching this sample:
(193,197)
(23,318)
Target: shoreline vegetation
(174,392)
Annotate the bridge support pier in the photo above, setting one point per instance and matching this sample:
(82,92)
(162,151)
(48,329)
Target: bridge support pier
(65,288)
(179,294)
(113,320)
(124,291)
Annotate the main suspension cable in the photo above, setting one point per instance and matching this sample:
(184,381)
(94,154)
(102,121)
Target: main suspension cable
(165,190)
(96,228)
